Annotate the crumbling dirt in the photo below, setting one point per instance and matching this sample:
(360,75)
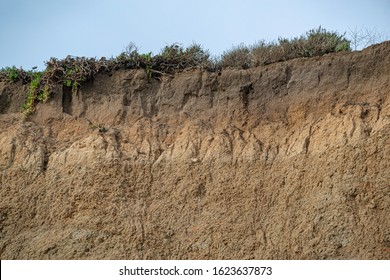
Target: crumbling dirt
(285,161)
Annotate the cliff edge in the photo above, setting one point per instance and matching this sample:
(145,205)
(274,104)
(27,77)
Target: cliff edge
(285,161)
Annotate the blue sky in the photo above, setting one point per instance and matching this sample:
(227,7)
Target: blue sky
(33,31)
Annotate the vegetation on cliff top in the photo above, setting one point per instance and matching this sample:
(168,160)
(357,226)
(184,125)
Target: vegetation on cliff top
(72,72)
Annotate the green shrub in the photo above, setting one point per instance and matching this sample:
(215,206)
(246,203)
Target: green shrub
(171,58)
(344,46)
(172,53)
(37,91)
(13,74)
(320,41)
(174,57)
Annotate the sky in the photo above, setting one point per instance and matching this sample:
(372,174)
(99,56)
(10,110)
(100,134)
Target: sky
(33,31)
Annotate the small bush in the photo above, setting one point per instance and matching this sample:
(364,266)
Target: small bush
(320,41)
(175,57)
(71,71)
(12,73)
(197,55)
(263,53)
(238,56)
(172,53)
(129,58)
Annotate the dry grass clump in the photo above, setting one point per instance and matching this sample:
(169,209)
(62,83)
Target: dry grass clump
(238,56)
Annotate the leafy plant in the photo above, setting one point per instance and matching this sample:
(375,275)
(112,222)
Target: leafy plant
(145,60)
(33,93)
(44,94)
(12,73)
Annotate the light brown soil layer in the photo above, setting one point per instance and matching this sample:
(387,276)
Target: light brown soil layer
(286,161)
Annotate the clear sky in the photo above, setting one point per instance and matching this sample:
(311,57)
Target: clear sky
(32,31)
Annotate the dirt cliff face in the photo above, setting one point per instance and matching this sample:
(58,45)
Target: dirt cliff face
(285,161)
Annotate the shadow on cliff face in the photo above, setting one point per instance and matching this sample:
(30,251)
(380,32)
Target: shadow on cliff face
(285,161)
(67,101)
(4,102)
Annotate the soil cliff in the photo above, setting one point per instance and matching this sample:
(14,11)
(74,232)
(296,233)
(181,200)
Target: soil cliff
(285,161)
